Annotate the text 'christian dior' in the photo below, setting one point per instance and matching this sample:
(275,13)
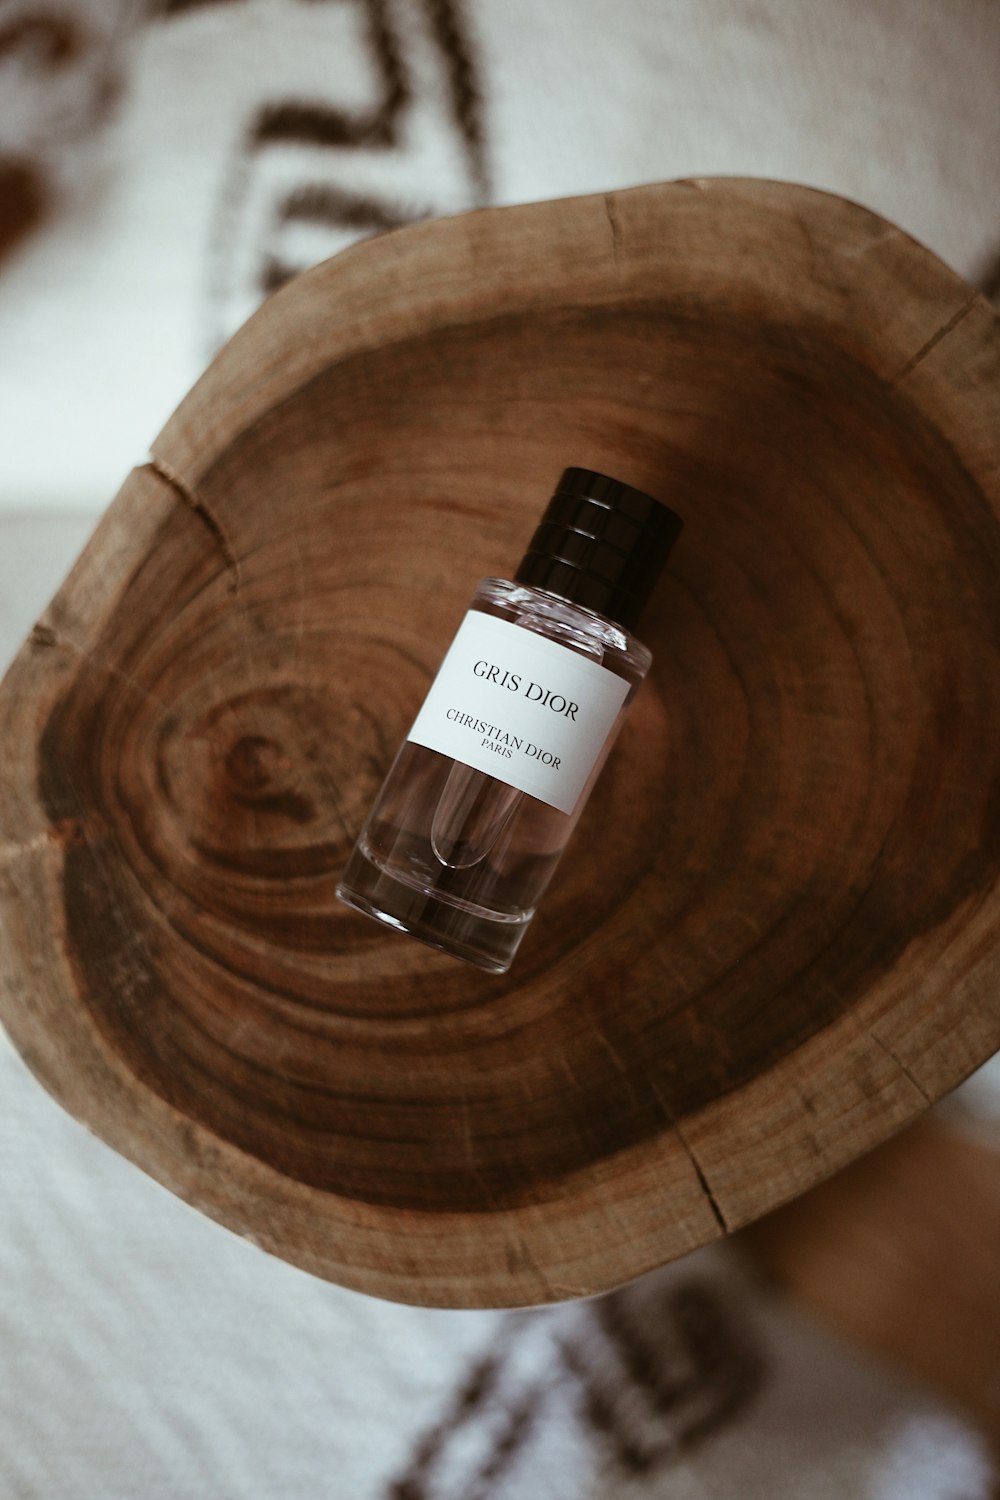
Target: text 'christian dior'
(501,741)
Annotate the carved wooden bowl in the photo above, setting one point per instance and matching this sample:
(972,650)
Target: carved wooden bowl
(773,939)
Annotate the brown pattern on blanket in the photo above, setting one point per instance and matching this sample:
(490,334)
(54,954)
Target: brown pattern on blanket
(310,175)
(22,203)
(627,1384)
(60,79)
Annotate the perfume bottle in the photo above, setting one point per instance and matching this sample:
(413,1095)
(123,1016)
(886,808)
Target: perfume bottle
(485,791)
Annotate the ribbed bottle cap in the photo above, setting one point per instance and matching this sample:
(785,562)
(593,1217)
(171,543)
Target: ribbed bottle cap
(601,544)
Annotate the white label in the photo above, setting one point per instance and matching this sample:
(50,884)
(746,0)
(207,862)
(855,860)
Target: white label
(520,707)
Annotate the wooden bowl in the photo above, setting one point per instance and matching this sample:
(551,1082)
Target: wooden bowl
(773,939)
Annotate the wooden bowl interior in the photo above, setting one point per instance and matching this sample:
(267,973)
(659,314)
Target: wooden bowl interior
(753,858)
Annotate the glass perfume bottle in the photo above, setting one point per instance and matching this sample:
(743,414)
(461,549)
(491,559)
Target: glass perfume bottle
(479,803)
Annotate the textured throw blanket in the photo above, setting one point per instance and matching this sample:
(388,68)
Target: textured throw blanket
(161,171)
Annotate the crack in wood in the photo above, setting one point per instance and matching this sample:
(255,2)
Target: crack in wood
(611,213)
(936,337)
(201,509)
(710,1197)
(902,1067)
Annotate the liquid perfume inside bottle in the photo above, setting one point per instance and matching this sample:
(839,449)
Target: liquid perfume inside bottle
(486,789)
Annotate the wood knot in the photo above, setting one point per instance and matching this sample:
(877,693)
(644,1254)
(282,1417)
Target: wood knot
(255,766)
(67,831)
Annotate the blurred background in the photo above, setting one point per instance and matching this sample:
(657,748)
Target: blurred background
(163,168)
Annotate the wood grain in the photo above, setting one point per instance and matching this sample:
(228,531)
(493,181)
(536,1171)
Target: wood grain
(774,938)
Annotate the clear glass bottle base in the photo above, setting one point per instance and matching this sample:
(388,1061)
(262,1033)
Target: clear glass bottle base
(488,942)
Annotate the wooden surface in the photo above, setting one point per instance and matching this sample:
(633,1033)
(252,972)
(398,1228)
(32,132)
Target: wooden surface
(901,1251)
(774,937)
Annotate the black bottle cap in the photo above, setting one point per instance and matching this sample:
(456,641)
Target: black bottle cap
(601,544)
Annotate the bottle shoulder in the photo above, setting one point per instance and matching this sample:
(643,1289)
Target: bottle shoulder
(579,629)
